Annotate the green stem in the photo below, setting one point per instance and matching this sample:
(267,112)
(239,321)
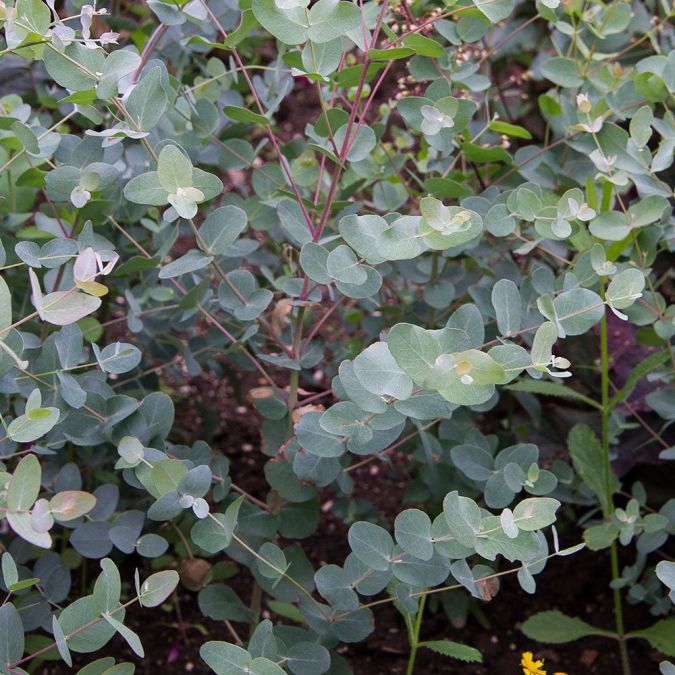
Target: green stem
(293,396)
(295,374)
(256,603)
(432,279)
(614,554)
(415,637)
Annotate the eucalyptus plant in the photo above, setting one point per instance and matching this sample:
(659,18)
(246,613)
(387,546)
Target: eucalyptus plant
(466,188)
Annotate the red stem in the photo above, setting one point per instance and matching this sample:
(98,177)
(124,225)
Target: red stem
(148,49)
(268,127)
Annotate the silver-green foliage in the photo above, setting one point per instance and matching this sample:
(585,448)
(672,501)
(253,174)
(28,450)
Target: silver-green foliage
(455,251)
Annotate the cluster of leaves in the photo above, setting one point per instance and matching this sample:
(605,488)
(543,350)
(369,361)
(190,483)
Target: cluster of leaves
(400,274)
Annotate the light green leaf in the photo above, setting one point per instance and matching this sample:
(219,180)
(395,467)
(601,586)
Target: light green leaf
(371,544)
(455,650)
(24,487)
(148,100)
(390,54)
(378,372)
(23,584)
(414,349)
(610,226)
(625,288)
(244,115)
(158,587)
(83,612)
(660,635)
(209,185)
(288,26)
(26,136)
(129,636)
(33,424)
(314,261)
(33,14)
(535,513)
(5,308)
(10,573)
(308,658)
(465,378)
(12,638)
(64,69)
(557,628)
(22,525)
(586,453)
(214,533)
(118,64)
(331,19)
(174,169)
(221,228)
(61,643)
(346,419)
(146,189)
(665,571)
(562,71)
(412,529)
(578,310)
(507,129)
(649,210)
(508,306)
(598,537)
(640,126)
(108,587)
(361,144)
(495,10)
(131,450)
(192,261)
(62,308)
(262,666)
(547,388)
(315,439)
(542,345)
(448,226)
(365,290)
(342,265)
(423,45)
(272,562)
(462,516)
(226,659)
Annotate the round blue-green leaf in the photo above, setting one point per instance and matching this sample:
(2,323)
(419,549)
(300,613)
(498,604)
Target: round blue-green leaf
(79,614)
(308,658)
(412,529)
(11,635)
(151,545)
(372,545)
(226,659)
(564,72)
(158,587)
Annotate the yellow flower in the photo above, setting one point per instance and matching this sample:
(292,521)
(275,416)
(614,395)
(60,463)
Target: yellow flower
(530,666)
